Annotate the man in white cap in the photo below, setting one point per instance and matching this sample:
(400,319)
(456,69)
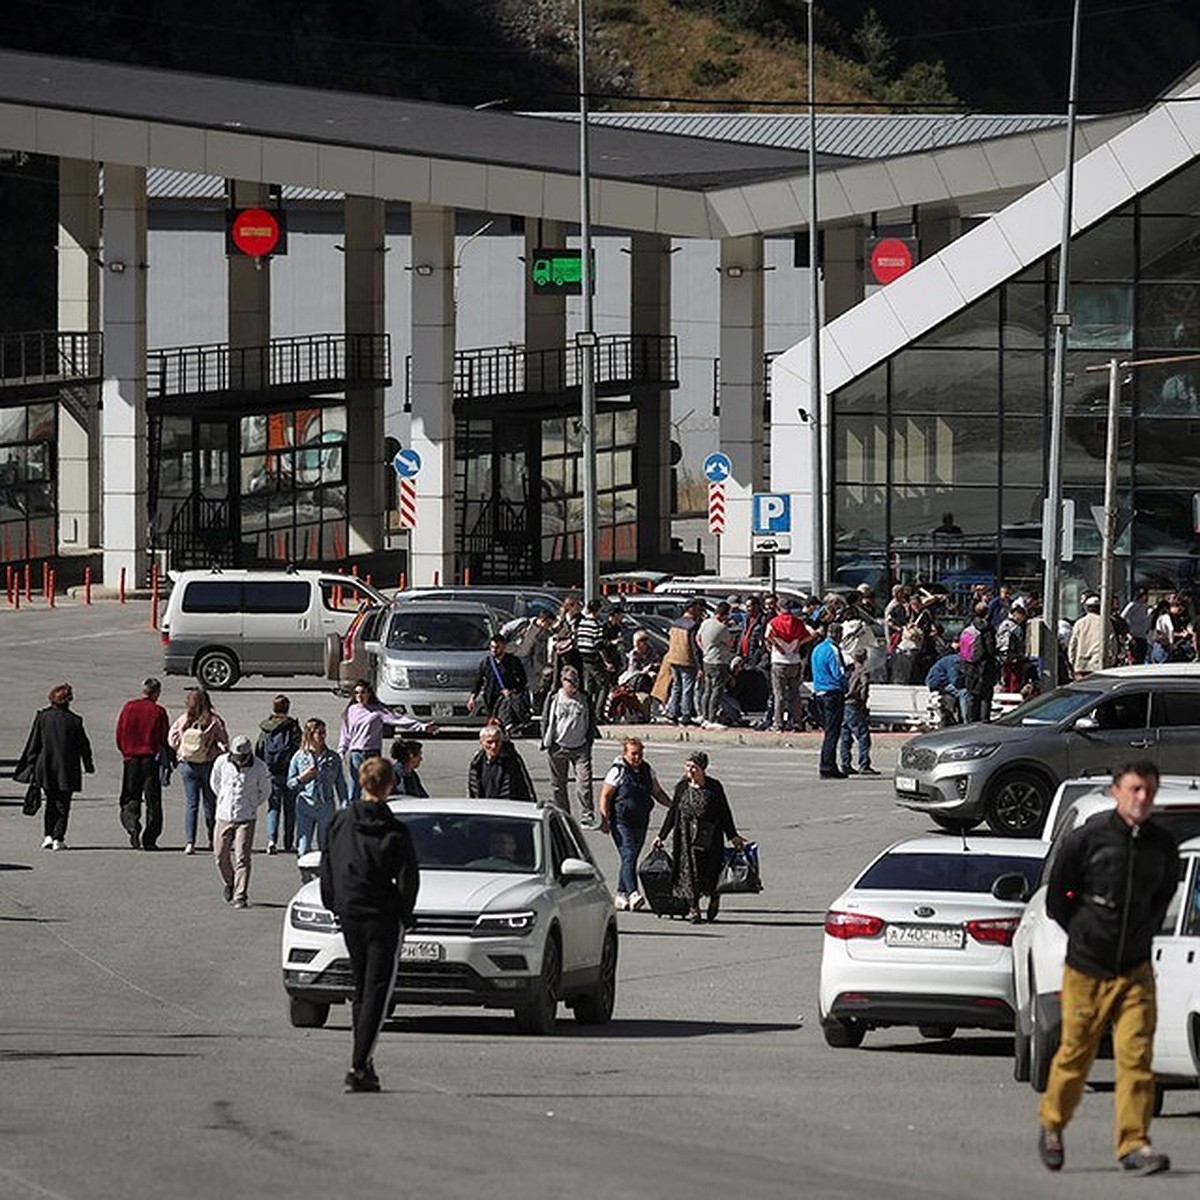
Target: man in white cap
(1091,646)
(243,785)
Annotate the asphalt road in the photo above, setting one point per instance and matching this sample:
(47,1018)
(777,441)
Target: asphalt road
(146,1051)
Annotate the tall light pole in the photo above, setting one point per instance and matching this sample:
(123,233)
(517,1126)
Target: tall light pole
(1061,319)
(586,338)
(814,305)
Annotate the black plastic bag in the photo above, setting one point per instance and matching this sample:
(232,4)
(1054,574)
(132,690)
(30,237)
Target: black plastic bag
(740,874)
(33,800)
(655,873)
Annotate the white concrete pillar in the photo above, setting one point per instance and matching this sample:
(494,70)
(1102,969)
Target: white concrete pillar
(432,340)
(249,301)
(650,317)
(365,314)
(79,312)
(123,421)
(741,421)
(545,316)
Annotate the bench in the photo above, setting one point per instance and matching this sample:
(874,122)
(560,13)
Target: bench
(910,705)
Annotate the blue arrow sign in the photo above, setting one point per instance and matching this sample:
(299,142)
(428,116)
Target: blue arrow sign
(717,467)
(407,463)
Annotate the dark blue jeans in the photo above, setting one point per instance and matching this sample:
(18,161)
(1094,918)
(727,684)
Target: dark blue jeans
(831,706)
(855,726)
(282,801)
(629,836)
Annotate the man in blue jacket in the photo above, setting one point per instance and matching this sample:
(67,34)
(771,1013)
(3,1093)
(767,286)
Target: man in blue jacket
(829,694)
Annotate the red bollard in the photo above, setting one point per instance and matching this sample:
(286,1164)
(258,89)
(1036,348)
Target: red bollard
(121,587)
(45,578)
(87,585)
(437,579)
(467,576)
(28,583)
(52,579)
(403,581)
(154,595)
(17,594)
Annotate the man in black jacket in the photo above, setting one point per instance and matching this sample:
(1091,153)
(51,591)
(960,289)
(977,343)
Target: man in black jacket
(369,878)
(497,771)
(1109,889)
(501,687)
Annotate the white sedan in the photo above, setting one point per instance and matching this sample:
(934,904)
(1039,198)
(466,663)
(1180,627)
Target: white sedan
(919,939)
(512,913)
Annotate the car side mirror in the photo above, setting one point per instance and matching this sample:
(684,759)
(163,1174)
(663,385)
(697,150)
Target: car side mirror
(1084,724)
(371,647)
(310,865)
(1011,888)
(576,869)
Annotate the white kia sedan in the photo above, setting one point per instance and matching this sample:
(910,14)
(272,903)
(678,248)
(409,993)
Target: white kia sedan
(919,939)
(512,913)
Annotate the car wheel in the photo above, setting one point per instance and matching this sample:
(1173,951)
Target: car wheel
(333,655)
(1160,1098)
(596,1007)
(1041,1046)
(955,824)
(538,1016)
(307,1014)
(937,1032)
(844,1035)
(1017,803)
(1021,1048)
(217,670)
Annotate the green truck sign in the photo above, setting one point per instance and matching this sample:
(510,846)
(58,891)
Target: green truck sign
(559,272)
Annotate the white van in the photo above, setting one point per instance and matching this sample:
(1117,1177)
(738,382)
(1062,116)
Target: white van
(715,588)
(220,625)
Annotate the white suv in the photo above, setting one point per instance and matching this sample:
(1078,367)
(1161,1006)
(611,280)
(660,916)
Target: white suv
(1040,943)
(512,913)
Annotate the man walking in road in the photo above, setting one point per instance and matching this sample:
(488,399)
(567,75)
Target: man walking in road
(242,784)
(142,731)
(1109,889)
(369,878)
(568,732)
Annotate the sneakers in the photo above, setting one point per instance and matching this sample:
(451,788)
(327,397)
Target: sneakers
(135,840)
(621,902)
(832,775)
(271,849)
(190,848)
(1050,1149)
(847,770)
(636,902)
(588,821)
(869,771)
(227,892)
(1145,1160)
(364,1080)
(58,844)
(47,842)
(241,902)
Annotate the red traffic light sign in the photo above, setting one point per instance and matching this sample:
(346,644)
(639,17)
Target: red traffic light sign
(255,232)
(891,257)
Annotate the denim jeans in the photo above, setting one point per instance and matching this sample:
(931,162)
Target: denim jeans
(354,760)
(716,680)
(282,800)
(197,791)
(312,823)
(855,726)
(681,701)
(629,838)
(831,705)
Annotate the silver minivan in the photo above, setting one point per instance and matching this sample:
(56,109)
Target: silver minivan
(221,625)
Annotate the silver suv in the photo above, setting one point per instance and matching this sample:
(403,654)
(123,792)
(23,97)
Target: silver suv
(1005,772)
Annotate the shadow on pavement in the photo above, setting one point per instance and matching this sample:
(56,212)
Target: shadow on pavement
(965,1045)
(15,867)
(650,1028)
(40,1055)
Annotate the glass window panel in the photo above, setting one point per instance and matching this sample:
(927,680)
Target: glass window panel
(1170,248)
(1169,316)
(574,436)
(859,514)
(1165,574)
(604,508)
(333,419)
(1025,320)
(254,432)
(333,502)
(1179,194)
(866,394)
(626,426)
(574,519)
(1024,451)
(553,473)
(1169,391)
(254,474)
(38,462)
(1086,392)
(13,466)
(281,508)
(554,438)
(13,543)
(604,428)
(1020,508)
(1084,447)
(1101,316)
(41,422)
(604,470)
(976,325)
(333,539)
(944,450)
(1168,453)
(1025,375)
(1164,523)
(12,425)
(860,449)
(254,513)
(940,381)
(1104,252)
(623,468)
(939,518)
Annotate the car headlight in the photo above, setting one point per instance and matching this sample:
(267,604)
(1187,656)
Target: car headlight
(970,751)
(313,918)
(396,677)
(504,924)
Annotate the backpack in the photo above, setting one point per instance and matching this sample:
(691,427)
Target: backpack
(191,745)
(970,645)
(277,747)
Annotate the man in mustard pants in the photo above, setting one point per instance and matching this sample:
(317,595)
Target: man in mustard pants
(1109,889)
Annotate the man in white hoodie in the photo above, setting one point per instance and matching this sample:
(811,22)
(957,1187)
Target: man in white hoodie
(243,785)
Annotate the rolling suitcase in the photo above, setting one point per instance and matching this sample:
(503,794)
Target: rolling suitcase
(654,882)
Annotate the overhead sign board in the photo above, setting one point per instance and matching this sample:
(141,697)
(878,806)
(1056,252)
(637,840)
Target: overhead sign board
(771,543)
(771,513)
(255,232)
(559,272)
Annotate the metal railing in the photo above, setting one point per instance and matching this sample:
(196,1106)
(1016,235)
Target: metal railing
(50,356)
(284,362)
(199,535)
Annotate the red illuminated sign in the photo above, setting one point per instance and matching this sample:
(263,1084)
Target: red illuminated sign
(891,257)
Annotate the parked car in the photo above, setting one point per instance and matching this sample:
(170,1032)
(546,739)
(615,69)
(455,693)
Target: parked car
(346,657)
(1040,943)
(1005,772)
(426,659)
(220,625)
(919,938)
(512,913)
(517,601)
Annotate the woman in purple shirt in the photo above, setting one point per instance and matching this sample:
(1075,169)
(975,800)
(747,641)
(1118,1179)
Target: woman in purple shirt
(362,730)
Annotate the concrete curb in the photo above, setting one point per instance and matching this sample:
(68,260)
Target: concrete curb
(694,735)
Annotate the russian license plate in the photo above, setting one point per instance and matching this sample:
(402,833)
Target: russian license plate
(930,937)
(421,951)
(906,783)
(443,710)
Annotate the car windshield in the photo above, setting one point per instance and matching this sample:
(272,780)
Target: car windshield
(438,631)
(465,842)
(946,872)
(1050,709)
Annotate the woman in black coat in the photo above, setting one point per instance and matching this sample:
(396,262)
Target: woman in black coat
(698,822)
(497,771)
(56,753)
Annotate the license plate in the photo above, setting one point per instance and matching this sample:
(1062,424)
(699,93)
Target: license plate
(930,937)
(443,710)
(906,783)
(421,951)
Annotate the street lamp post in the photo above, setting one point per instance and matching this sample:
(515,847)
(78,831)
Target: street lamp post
(814,304)
(586,338)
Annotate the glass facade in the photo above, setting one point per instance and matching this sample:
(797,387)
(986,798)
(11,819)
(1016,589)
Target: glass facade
(28,492)
(940,454)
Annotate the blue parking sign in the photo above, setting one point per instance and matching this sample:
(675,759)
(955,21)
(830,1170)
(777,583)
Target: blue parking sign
(771,512)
